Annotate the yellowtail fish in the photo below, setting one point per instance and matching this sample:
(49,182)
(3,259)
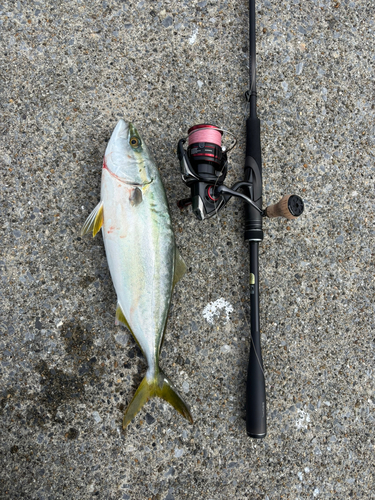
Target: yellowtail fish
(142,256)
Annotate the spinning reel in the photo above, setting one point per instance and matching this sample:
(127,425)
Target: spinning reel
(204,167)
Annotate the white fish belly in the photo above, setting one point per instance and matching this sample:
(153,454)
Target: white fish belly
(140,249)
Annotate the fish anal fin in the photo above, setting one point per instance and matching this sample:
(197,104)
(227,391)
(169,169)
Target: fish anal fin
(120,319)
(94,221)
(158,386)
(179,267)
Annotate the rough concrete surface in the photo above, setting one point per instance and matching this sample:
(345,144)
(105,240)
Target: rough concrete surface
(69,71)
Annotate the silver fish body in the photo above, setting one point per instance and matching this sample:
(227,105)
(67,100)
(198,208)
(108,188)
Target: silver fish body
(141,253)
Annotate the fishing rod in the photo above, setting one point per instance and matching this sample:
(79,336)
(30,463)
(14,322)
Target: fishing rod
(204,166)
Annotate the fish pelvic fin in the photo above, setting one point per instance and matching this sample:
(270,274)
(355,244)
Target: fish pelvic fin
(94,221)
(160,387)
(179,267)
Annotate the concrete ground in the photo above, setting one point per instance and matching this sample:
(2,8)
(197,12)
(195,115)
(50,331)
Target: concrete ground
(69,71)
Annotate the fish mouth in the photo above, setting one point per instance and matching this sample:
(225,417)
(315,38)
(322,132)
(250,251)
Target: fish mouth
(125,157)
(121,130)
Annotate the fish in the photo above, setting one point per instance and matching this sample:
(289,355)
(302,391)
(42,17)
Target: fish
(142,256)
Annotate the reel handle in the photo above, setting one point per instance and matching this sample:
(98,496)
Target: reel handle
(290,206)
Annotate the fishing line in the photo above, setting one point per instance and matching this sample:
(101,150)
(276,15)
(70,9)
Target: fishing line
(204,133)
(209,133)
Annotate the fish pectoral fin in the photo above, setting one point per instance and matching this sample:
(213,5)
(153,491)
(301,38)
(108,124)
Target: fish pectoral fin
(179,267)
(120,319)
(136,197)
(160,387)
(94,221)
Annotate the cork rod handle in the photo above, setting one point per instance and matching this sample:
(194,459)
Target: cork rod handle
(290,206)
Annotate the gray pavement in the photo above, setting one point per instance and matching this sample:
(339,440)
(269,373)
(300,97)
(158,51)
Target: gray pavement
(68,73)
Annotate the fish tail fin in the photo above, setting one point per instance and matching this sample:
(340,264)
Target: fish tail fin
(158,386)
(165,390)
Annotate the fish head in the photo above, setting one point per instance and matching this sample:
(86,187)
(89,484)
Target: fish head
(127,156)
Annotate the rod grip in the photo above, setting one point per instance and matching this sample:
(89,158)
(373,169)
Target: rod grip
(253,147)
(253,174)
(256,424)
(290,206)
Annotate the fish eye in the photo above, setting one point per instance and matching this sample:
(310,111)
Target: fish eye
(134,142)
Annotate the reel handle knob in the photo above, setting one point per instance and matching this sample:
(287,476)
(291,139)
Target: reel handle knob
(290,206)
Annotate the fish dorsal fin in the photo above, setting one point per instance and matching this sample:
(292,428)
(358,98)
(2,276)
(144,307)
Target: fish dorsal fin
(120,318)
(179,267)
(94,221)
